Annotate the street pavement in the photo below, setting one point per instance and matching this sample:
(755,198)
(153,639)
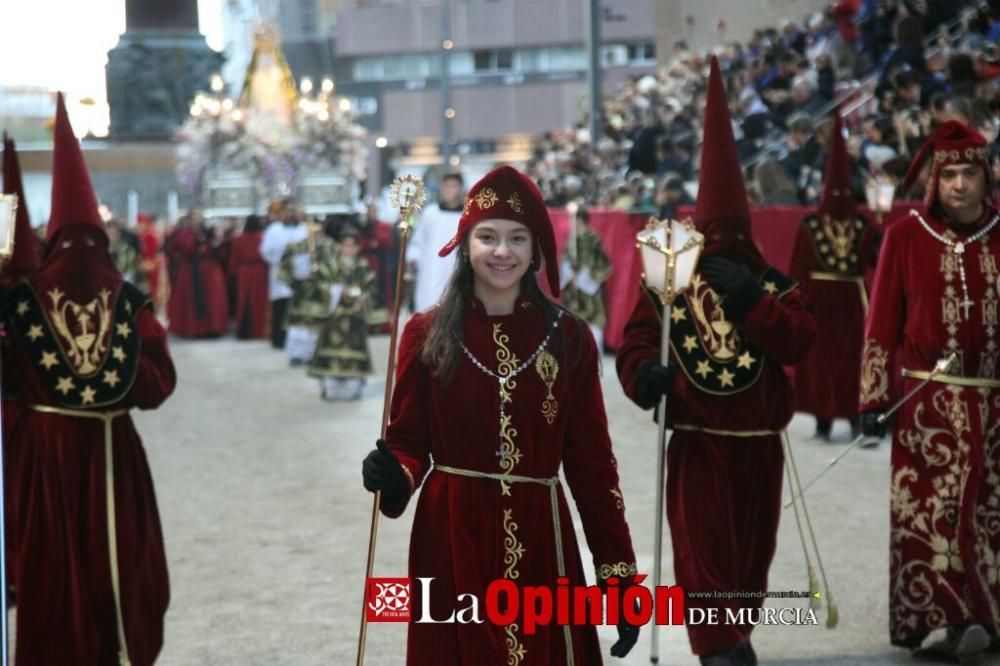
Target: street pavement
(266,522)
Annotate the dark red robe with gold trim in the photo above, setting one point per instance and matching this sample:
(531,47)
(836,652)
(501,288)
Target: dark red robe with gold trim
(249,272)
(723,493)
(468,532)
(65,604)
(833,278)
(944,549)
(198,299)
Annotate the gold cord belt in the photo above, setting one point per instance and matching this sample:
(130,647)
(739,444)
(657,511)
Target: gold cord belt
(553,483)
(109,492)
(957,380)
(725,433)
(837,277)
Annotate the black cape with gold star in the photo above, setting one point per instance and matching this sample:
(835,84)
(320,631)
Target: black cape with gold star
(710,350)
(87,353)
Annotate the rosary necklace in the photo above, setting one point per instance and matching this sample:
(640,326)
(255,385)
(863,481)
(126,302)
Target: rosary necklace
(502,380)
(958,249)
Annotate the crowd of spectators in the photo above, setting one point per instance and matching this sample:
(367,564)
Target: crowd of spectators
(896,67)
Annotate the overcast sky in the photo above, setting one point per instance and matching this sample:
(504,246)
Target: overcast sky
(64,44)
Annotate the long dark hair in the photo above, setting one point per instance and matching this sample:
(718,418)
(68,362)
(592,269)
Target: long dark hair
(443,346)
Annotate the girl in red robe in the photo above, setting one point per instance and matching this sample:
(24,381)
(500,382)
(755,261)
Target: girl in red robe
(728,399)
(498,387)
(249,272)
(84,348)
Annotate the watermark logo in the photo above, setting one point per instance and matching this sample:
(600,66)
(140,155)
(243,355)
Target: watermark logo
(388,600)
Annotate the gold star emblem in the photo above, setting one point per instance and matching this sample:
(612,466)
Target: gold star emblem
(87,395)
(22,308)
(34,332)
(118,353)
(770,287)
(123,329)
(111,378)
(690,343)
(65,385)
(128,307)
(726,378)
(677,314)
(704,369)
(49,360)
(744,361)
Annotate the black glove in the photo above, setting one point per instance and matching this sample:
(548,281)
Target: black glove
(382,471)
(735,282)
(628,636)
(870,425)
(652,382)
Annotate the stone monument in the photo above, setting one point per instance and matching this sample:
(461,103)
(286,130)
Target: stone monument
(156,68)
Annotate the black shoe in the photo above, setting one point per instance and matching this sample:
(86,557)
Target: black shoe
(965,643)
(823,429)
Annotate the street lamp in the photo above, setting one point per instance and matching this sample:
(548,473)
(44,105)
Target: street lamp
(880,193)
(669,251)
(8,217)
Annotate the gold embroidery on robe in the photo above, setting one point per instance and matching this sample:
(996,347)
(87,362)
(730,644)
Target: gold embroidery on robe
(548,369)
(874,373)
(83,330)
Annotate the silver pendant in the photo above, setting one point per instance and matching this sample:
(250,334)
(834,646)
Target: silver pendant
(959,248)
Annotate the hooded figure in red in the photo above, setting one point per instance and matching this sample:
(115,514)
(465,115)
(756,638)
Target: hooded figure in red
(248,271)
(728,398)
(487,453)
(936,293)
(84,349)
(832,251)
(21,264)
(199,302)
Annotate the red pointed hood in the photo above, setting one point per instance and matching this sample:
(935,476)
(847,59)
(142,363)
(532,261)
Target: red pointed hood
(722,212)
(76,262)
(73,198)
(838,197)
(25,260)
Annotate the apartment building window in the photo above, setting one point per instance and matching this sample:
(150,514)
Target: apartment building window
(308,17)
(567,58)
(642,53)
(493,60)
(531,60)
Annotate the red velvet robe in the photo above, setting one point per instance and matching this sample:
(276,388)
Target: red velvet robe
(467,532)
(249,271)
(826,381)
(65,606)
(944,552)
(723,493)
(198,305)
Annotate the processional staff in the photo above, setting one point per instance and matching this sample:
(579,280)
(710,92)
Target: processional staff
(408,195)
(669,250)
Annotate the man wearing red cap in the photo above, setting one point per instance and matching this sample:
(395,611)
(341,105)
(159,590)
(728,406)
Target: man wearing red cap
(832,250)
(937,294)
(728,397)
(84,349)
(496,388)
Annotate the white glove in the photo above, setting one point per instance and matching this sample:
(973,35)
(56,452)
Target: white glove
(585,283)
(565,273)
(301,266)
(336,289)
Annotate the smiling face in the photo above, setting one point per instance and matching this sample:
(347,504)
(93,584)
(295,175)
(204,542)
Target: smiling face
(500,254)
